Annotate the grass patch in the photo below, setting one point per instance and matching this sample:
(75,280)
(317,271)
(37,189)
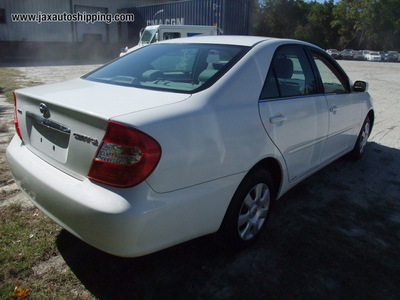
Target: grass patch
(5,173)
(28,240)
(27,236)
(3,127)
(12,79)
(9,82)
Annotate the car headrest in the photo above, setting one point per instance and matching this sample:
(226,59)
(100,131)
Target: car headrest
(283,68)
(213,57)
(207,74)
(152,75)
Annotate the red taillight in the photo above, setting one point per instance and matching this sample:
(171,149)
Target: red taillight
(16,122)
(125,158)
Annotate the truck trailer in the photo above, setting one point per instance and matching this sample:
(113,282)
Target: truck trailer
(230,16)
(157,33)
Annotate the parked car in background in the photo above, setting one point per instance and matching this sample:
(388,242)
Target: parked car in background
(373,56)
(334,53)
(185,138)
(365,53)
(395,53)
(358,55)
(391,56)
(346,54)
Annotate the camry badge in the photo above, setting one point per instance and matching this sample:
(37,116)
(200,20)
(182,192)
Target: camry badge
(86,139)
(44,110)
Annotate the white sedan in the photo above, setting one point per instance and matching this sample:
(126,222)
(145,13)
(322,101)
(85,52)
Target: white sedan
(185,138)
(374,56)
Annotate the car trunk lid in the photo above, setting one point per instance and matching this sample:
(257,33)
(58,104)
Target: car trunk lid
(64,123)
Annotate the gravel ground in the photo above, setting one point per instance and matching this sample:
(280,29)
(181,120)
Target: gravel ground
(50,74)
(288,262)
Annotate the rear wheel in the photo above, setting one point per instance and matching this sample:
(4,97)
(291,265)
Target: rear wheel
(248,211)
(362,140)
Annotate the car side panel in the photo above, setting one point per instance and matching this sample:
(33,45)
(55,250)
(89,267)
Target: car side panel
(216,134)
(344,124)
(301,134)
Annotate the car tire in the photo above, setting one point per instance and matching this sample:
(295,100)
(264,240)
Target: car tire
(362,140)
(248,211)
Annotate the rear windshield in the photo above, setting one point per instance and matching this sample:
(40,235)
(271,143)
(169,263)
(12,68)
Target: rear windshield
(186,68)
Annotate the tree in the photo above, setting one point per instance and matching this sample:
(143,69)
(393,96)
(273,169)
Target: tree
(368,24)
(359,24)
(388,21)
(309,21)
(280,18)
(317,28)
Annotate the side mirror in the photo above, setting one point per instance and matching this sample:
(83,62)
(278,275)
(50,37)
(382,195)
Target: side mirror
(360,86)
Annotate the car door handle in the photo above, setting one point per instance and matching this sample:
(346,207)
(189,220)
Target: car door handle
(334,109)
(277,119)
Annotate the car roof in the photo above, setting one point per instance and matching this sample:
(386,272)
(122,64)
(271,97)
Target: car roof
(225,40)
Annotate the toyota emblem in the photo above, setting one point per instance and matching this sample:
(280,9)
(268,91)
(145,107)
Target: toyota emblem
(44,110)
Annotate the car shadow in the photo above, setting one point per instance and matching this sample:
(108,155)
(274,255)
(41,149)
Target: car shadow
(333,236)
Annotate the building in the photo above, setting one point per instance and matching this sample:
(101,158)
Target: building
(83,29)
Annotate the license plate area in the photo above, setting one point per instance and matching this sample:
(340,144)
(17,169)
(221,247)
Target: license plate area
(49,137)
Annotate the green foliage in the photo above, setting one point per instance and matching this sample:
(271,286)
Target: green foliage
(12,79)
(8,82)
(27,239)
(359,24)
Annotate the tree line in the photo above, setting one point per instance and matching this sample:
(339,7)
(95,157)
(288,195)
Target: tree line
(355,24)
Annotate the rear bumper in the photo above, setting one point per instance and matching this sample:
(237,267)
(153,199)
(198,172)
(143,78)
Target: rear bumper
(124,222)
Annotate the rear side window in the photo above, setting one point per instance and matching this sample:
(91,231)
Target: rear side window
(289,75)
(183,68)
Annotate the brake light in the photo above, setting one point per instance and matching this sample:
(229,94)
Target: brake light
(125,158)
(16,122)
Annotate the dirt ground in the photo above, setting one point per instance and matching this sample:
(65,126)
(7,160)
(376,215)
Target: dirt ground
(334,236)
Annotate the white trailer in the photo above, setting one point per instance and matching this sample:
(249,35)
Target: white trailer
(157,33)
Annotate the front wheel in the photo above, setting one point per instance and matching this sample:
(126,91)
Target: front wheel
(362,140)
(248,211)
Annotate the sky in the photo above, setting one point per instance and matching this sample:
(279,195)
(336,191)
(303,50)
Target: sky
(322,1)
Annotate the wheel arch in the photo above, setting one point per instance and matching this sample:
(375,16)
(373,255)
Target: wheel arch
(268,169)
(273,166)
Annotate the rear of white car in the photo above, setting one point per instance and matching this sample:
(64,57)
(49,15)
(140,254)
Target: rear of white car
(102,161)
(124,222)
(86,171)
(135,162)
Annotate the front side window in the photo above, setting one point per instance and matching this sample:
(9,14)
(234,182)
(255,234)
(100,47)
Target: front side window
(332,80)
(175,67)
(290,74)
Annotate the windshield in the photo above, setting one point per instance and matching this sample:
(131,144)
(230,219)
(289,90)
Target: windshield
(183,68)
(147,36)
